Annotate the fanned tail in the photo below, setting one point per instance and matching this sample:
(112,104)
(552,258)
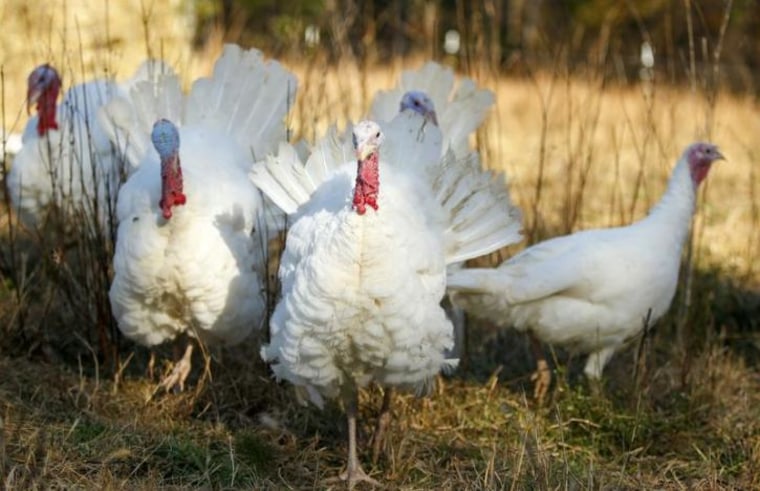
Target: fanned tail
(246,96)
(288,183)
(128,120)
(482,216)
(464,114)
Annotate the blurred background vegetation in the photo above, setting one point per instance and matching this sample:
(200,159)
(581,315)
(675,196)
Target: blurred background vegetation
(507,34)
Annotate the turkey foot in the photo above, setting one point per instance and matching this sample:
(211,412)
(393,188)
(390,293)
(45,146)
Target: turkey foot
(354,474)
(382,425)
(175,381)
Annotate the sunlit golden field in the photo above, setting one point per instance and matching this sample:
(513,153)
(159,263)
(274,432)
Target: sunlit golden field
(577,152)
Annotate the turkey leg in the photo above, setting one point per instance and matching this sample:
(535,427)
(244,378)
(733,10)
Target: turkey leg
(354,472)
(382,424)
(175,381)
(542,377)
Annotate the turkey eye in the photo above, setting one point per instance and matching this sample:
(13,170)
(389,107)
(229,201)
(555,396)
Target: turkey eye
(377,135)
(416,103)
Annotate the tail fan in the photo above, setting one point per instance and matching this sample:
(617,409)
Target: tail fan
(128,120)
(289,183)
(482,216)
(247,96)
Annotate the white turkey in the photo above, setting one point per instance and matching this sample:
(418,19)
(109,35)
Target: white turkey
(462,116)
(430,91)
(364,267)
(592,290)
(186,260)
(66,160)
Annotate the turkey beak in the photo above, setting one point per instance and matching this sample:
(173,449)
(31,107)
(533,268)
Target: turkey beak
(432,117)
(33,95)
(718,155)
(364,151)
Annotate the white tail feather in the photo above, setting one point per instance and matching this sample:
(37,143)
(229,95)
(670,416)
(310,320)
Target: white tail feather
(248,97)
(128,121)
(482,216)
(288,182)
(473,280)
(464,114)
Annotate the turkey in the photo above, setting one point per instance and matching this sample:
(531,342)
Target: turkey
(430,91)
(66,160)
(592,290)
(467,101)
(364,266)
(186,260)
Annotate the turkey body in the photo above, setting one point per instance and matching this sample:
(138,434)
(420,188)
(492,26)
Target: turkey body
(587,291)
(593,290)
(360,293)
(199,270)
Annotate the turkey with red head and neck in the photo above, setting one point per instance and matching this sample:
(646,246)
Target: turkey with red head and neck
(592,290)
(190,245)
(376,218)
(66,162)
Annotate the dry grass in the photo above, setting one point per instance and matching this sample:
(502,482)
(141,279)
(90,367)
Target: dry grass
(578,153)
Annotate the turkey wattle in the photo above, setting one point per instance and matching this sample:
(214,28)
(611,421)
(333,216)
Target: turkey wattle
(189,256)
(593,290)
(374,225)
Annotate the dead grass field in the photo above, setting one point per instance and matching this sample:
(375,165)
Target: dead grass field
(577,153)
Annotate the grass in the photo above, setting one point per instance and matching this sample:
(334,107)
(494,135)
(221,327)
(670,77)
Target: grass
(579,152)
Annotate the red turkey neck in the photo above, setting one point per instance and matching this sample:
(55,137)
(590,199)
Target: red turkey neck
(367,183)
(46,111)
(171,185)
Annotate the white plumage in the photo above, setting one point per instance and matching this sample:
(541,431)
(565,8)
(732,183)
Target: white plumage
(67,161)
(458,111)
(592,290)
(459,118)
(361,292)
(195,267)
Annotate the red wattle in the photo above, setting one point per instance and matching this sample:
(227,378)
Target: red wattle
(367,184)
(171,186)
(46,112)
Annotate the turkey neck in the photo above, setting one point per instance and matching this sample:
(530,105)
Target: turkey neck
(46,111)
(171,185)
(672,214)
(367,183)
